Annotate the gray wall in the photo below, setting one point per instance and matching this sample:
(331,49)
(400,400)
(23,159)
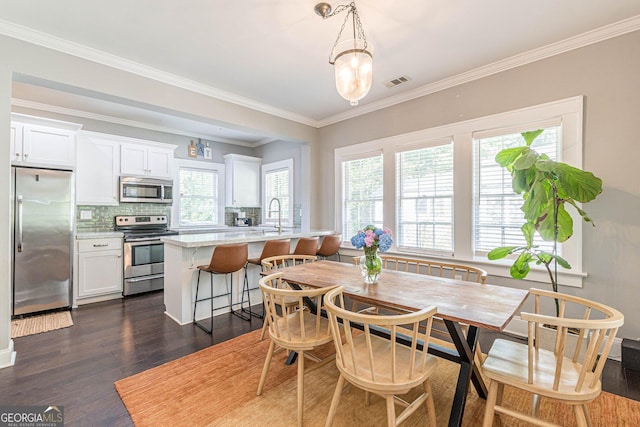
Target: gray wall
(606,74)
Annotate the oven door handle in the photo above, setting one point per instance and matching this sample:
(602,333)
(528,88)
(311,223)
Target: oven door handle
(143,278)
(142,241)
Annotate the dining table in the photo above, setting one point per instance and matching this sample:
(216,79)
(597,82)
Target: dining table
(458,303)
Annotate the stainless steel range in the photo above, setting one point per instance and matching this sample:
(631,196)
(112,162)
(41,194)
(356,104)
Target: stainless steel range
(143,252)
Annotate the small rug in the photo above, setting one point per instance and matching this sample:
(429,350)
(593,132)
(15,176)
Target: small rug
(217,387)
(42,323)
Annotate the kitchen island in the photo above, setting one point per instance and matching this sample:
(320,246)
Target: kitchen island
(184,253)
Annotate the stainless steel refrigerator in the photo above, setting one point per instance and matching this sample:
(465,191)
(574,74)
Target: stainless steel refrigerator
(42,213)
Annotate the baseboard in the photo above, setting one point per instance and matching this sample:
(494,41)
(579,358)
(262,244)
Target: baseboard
(8,356)
(518,327)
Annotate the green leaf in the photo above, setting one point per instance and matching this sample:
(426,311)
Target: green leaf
(528,230)
(562,262)
(507,156)
(520,184)
(501,252)
(530,136)
(520,267)
(582,213)
(546,165)
(544,257)
(537,202)
(526,160)
(565,225)
(580,185)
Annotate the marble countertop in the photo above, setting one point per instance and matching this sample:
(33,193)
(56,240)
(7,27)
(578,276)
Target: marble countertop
(248,236)
(84,235)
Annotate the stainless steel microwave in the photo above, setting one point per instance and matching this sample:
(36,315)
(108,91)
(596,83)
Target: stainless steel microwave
(135,189)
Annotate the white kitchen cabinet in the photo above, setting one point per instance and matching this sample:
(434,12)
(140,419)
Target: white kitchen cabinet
(147,160)
(97,170)
(41,142)
(99,266)
(242,180)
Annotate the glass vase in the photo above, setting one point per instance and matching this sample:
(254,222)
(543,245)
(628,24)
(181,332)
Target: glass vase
(370,266)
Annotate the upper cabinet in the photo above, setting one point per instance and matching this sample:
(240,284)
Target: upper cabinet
(42,142)
(242,180)
(102,158)
(98,169)
(147,159)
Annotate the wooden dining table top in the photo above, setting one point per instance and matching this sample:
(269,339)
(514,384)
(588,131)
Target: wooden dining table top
(482,305)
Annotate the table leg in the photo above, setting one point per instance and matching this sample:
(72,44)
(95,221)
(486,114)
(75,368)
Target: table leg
(468,370)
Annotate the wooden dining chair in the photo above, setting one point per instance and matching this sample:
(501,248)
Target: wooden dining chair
(272,264)
(295,329)
(439,333)
(380,365)
(435,268)
(549,372)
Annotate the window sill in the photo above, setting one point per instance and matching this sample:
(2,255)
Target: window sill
(537,274)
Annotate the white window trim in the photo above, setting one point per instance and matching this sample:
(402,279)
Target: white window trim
(275,166)
(194,164)
(569,111)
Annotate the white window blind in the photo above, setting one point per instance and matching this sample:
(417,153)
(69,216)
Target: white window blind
(277,185)
(362,194)
(424,190)
(198,197)
(497,214)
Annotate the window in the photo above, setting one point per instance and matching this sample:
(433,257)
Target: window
(277,182)
(444,196)
(424,179)
(198,203)
(362,190)
(497,213)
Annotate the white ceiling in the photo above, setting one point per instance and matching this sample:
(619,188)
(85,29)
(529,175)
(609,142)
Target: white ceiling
(273,54)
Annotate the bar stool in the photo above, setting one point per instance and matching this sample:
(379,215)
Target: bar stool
(226,259)
(330,246)
(271,248)
(306,246)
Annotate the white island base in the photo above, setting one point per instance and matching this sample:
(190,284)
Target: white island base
(184,253)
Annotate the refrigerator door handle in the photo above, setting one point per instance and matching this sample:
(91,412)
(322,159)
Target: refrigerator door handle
(19,223)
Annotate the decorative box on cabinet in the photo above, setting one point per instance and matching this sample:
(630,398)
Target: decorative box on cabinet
(97,170)
(99,267)
(37,141)
(242,180)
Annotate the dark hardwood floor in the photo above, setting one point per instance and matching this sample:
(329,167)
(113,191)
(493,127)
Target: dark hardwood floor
(76,367)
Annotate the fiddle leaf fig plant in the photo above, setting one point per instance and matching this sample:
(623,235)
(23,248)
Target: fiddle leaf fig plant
(547,188)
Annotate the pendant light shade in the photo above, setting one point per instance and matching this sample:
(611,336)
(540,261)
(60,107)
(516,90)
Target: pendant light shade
(352,58)
(353,70)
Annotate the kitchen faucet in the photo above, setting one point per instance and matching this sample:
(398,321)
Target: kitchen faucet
(279,213)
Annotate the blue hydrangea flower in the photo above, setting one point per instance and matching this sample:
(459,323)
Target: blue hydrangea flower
(384,242)
(358,240)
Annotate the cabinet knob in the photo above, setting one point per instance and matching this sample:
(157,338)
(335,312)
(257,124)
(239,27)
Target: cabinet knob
(26,155)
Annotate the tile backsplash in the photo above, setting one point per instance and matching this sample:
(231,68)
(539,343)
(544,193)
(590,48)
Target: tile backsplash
(102,216)
(254,213)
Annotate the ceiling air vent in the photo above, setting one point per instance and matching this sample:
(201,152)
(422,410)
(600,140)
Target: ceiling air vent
(397,81)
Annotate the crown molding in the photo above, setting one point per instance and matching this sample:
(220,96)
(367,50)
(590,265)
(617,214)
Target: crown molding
(94,55)
(124,122)
(52,42)
(600,34)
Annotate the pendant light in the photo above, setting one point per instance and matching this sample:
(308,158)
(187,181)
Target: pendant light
(351,57)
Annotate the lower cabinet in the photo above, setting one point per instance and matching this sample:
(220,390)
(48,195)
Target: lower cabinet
(99,267)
